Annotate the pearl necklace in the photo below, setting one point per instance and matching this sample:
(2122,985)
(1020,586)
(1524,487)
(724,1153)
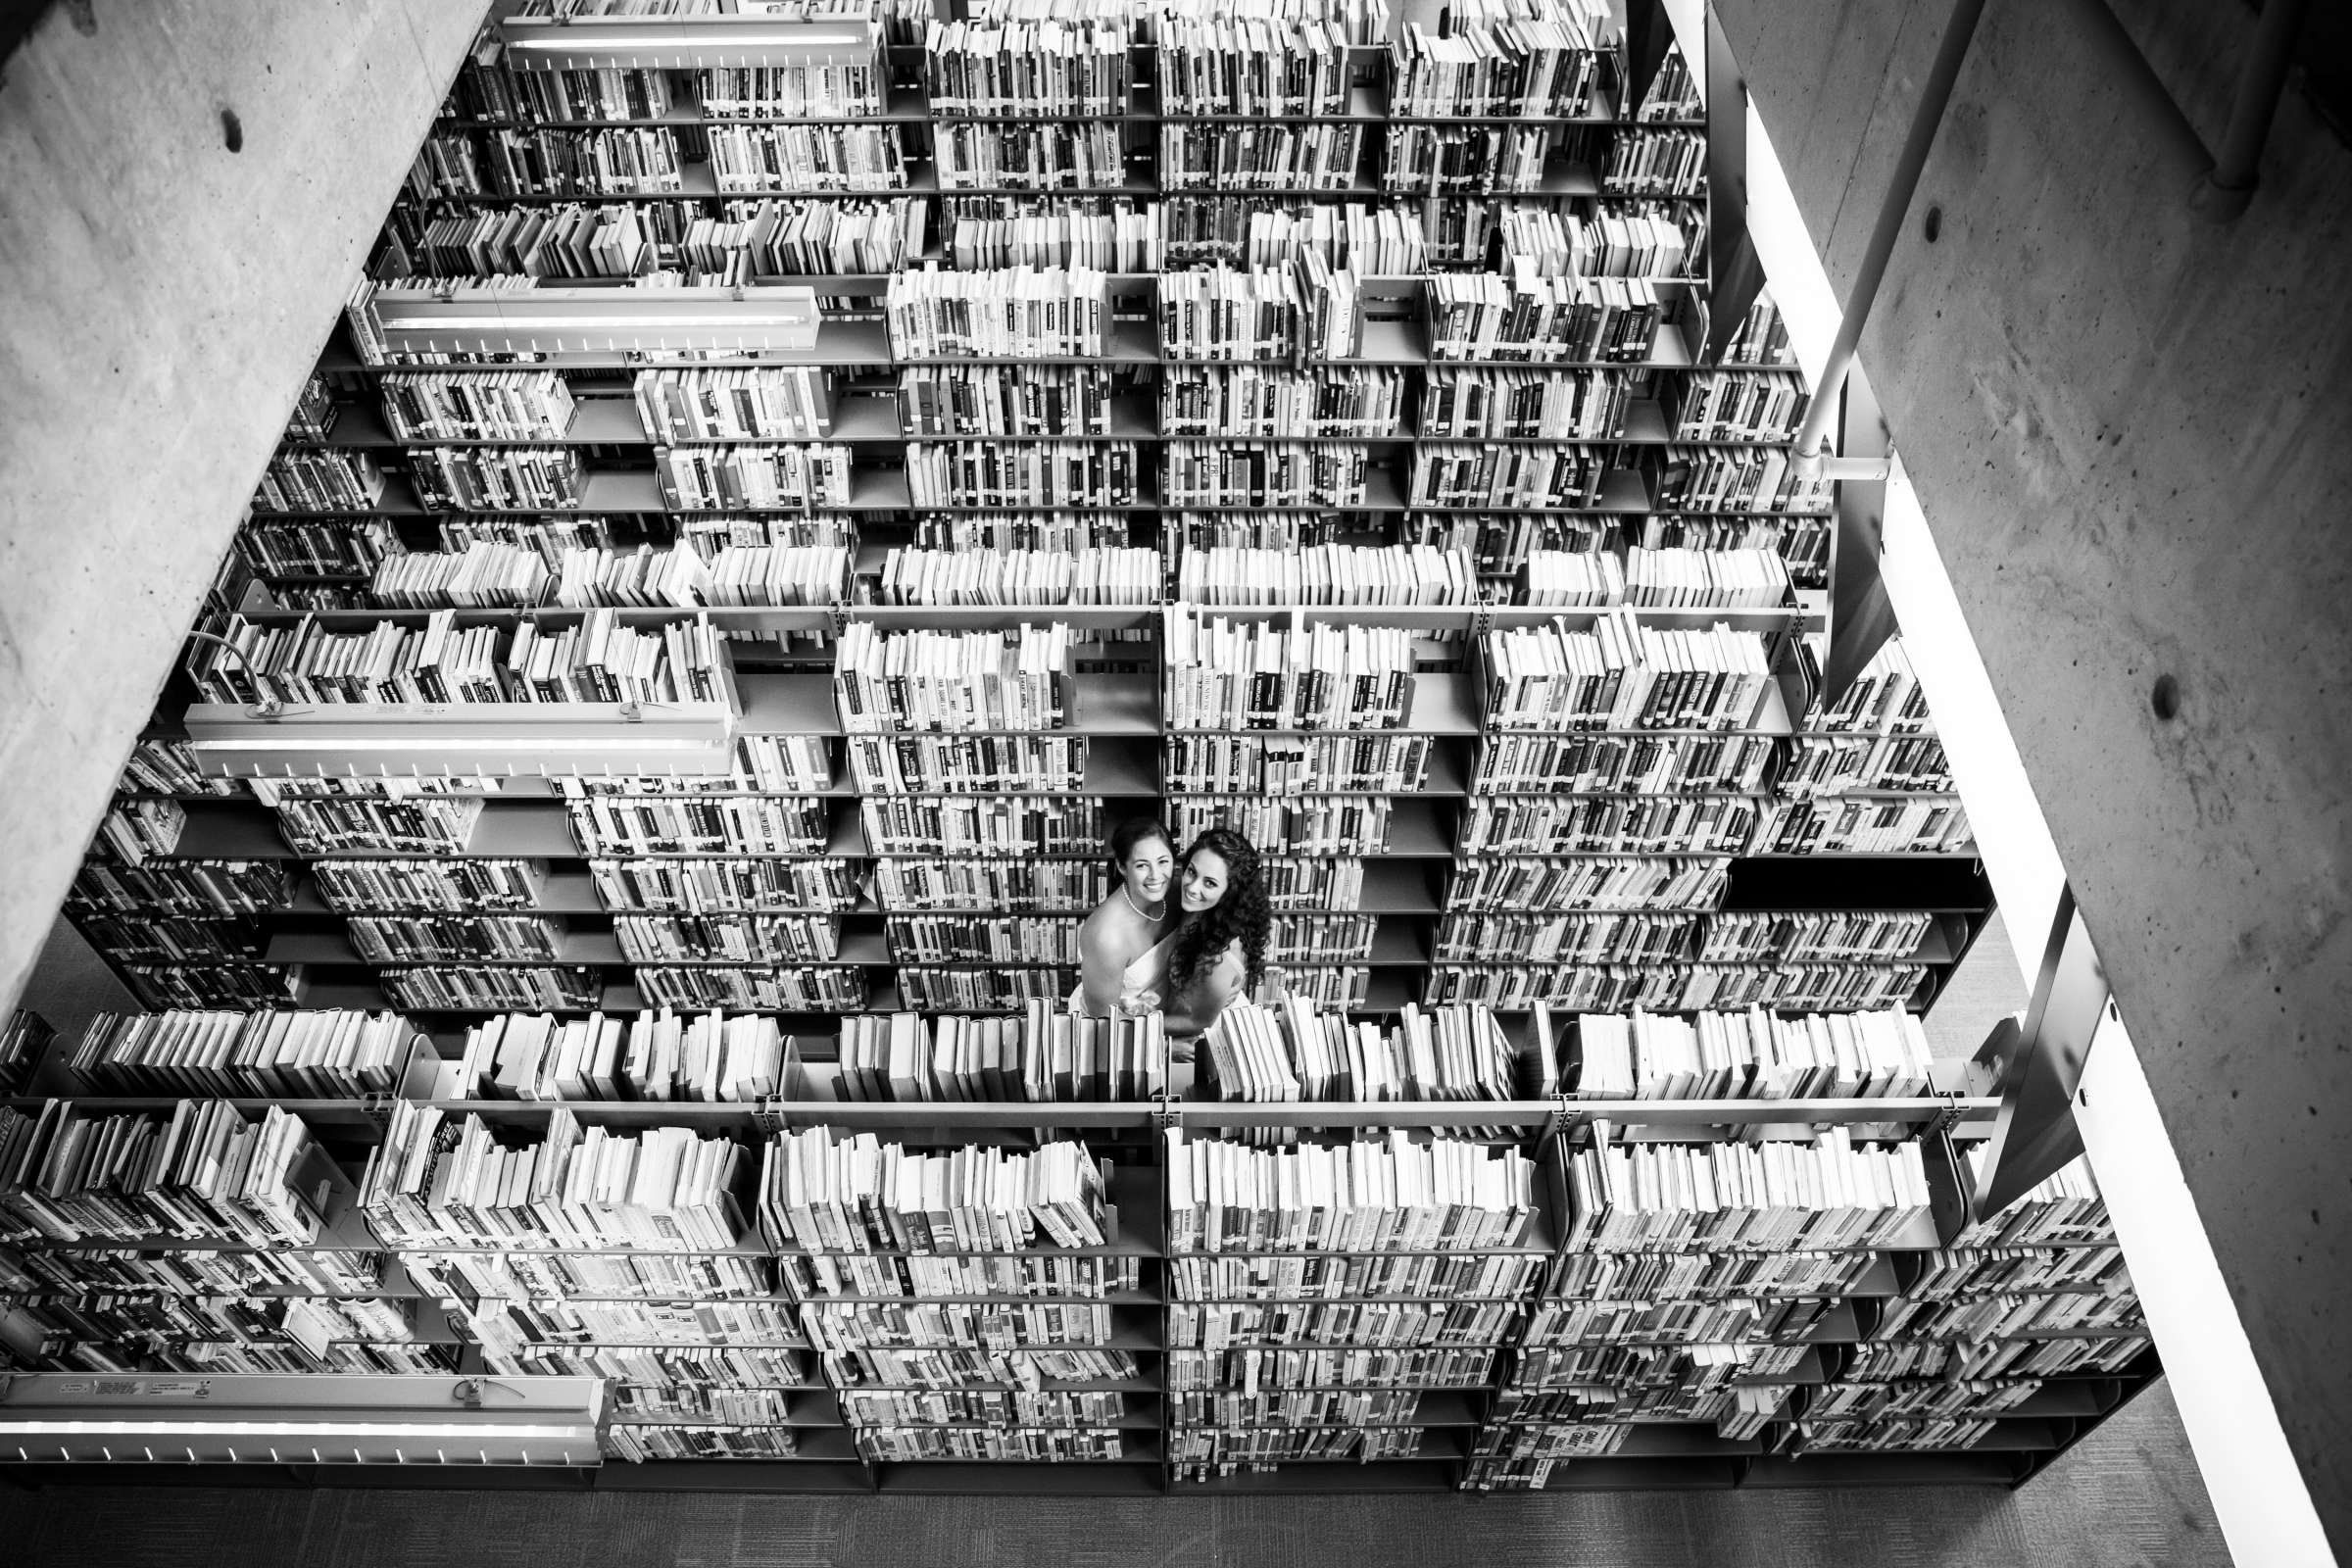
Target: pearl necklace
(1139,909)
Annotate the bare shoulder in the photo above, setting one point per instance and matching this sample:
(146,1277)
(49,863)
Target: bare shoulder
(1101,925)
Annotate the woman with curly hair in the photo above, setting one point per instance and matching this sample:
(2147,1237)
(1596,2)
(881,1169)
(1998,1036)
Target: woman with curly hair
(1219,956)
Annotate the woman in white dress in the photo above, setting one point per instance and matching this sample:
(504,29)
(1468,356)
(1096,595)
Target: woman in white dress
(1121,948)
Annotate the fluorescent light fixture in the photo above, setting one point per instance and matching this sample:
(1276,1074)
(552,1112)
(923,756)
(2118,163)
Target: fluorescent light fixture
(230,740)
(687,40)
(310,1418)
(755,316)
(549,43)
(312,1430)
(374,743)
(512,321)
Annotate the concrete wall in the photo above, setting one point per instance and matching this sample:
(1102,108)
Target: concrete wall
(2132,435)
(163,294)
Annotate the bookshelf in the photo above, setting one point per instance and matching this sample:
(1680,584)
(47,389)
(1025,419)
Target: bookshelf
(1344,401)
(736,1352)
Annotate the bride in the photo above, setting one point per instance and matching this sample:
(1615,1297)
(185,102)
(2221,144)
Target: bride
(1122,948)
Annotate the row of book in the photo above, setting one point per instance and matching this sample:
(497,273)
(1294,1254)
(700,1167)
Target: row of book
(1309,310)
(943,680)
(418,825)
(487,575)
(932,824)
(1090,577)
(1392,1195)
(636,1444)
(596,661)
(1249,1372)
(1556,58)
(511,406)
(173,939)
(339,1054)
(208,1358)
(1240,675)
(31,1268)
(733,478)
(1264,398)
(1046,1054)
(771,236)
(134,829)
(1499,60)
(481,988)
(494,164)
(822,1194)
(813,1276)
(1197,396)
(931,1325)
(1691,824)
(1618,240)
(656,1056)
(1034,473)
(1270,1276)
(661,1189)
(1623,674)
(235,1320)
(1219,1326)
(1671,578)
(203,1171)
(26,1037)
(502,478)
(1682,987)
(1729,1320)
(536,239)
(1709,824)
(960,1367)
(1831,1193)
(686,824)
(1289,1051)
(217,984)
(1325,574)
(1199,1455)
(1706,1276)
(1499,884)
(542,1275)
(1933,1359)
(2009,1317)
(1306,824)
(696,570)
(1527,317)
(1017,313)
(1733,935)
(1512,885)
(765,990)
(1833,764)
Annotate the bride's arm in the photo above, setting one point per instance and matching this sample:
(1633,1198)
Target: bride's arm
(1099,968)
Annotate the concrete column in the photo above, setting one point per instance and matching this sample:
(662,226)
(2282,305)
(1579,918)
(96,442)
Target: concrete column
(2130,433)
(187,192)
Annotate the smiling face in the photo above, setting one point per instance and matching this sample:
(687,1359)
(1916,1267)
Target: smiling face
(1205,877)
(1148,869)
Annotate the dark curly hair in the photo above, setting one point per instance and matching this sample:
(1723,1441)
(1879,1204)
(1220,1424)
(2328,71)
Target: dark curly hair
(1242,912)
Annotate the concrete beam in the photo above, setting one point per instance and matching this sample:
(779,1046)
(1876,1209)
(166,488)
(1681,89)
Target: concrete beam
(2130,432)
(188,191)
